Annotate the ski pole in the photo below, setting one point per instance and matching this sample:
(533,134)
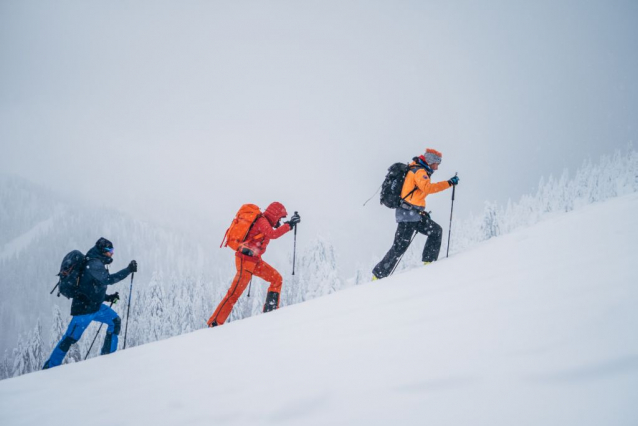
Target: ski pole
(399,261)
(294,251)
(449,234)
(128,310)
(96,334)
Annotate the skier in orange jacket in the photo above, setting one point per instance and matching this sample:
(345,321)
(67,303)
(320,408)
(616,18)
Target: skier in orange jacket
(411,216)
(249,263)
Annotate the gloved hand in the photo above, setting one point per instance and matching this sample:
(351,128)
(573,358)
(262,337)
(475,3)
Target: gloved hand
(132,266)
(294,220)
(113,298)
(453,181)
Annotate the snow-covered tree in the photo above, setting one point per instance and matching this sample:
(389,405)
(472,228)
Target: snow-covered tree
(28,356)
(316,274)
(490,225)
(5,366)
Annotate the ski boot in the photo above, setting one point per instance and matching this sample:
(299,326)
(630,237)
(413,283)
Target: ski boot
(272,301)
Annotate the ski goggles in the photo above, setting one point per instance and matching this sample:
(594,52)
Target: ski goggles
(109,249)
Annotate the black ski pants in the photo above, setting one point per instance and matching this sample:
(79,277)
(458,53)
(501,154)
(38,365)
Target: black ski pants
(402,239)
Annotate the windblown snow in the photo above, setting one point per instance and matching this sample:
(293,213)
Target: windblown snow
(537,327)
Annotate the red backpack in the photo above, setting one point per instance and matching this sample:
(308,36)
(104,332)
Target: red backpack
(238,230)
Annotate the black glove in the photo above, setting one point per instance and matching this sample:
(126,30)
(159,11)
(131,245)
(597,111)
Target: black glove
(113,298)
(453,181)
(294,220)
(132,267)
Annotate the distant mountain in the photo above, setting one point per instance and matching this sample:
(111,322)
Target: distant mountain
(39,227)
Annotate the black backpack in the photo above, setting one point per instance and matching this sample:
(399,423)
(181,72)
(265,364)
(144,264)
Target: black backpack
(393,185)
(70,274)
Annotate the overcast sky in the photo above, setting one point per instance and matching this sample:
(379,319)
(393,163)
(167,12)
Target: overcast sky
(185,110)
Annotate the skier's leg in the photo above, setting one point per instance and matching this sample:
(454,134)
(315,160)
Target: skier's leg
(270,274)
(405,231)
(73,333)
(107,316)
(240,282)
(433,244)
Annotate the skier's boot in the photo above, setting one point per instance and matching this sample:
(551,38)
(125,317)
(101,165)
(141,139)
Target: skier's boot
(213,324)
(374,277)
(110,344)
(426,263)
(272,301)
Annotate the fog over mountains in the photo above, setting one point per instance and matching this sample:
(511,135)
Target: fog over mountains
(182,275)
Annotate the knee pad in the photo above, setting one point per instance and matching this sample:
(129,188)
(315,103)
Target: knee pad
(117,325)
(66,343)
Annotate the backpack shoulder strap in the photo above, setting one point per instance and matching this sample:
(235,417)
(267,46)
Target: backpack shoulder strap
(412,169)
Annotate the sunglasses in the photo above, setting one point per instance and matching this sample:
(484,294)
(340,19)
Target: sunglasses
(109,249)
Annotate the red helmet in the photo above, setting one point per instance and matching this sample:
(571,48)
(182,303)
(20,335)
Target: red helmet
(274,212)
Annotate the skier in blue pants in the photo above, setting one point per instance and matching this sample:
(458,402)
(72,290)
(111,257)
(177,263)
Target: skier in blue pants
(87,305)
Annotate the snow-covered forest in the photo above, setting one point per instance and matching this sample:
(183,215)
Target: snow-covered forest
(611,176)
(183,280)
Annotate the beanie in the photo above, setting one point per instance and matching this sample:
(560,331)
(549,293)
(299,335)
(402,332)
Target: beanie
(432,156)
(102,244)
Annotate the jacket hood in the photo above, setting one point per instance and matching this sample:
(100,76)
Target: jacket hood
(96,253)
(275,212)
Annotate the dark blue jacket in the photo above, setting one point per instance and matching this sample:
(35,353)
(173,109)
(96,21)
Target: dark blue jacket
(93,284)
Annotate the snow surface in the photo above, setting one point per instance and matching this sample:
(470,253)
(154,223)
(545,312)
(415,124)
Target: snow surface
(537,327)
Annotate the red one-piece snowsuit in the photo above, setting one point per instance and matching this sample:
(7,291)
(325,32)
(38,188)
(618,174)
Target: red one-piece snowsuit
(248,266)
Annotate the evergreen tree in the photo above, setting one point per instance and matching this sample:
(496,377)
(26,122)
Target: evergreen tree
(155,310)
(5,366)
(35,352)
(20,359)
(490,226)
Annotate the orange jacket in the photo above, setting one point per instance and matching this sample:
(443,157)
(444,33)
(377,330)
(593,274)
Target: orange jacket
(418,177)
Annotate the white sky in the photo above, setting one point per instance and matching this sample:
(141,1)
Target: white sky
(183,111)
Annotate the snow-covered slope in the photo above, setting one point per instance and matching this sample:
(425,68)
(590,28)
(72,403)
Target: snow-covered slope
(537,327)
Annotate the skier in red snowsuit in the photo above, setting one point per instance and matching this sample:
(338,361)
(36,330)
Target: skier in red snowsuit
(249,262)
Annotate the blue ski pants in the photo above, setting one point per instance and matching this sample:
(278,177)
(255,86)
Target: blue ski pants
(76,328)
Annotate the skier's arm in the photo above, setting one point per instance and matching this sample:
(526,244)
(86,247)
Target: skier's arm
(268,231)
(102,275)
(425,184)
(276,233)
